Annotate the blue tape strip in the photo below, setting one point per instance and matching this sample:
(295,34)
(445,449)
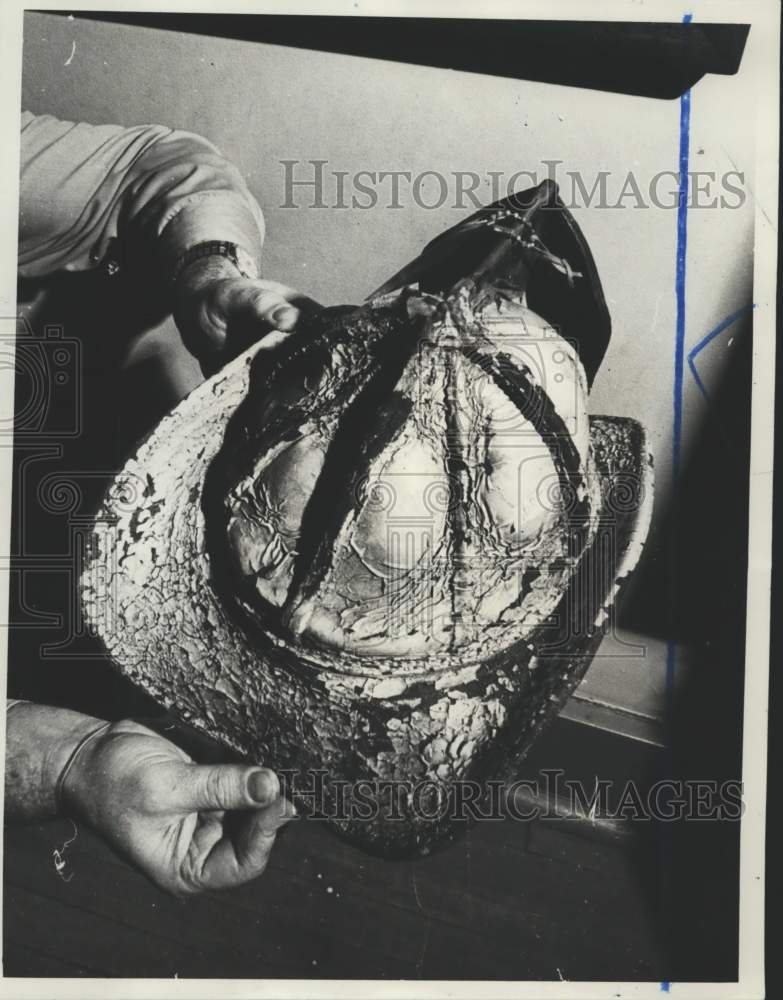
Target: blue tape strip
(679,340)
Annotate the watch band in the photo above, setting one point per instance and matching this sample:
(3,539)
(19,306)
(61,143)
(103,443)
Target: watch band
(242,261)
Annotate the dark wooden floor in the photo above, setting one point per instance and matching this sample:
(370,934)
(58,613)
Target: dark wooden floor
(511,900)
(508,902)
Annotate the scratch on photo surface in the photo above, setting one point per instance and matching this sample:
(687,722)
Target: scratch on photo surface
(416,890)
(69,60)
(58,856)
(741,175)
(594,803)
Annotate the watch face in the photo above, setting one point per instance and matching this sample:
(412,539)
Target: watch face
(246,263)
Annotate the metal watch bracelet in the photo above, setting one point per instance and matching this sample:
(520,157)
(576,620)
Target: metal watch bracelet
(242,261)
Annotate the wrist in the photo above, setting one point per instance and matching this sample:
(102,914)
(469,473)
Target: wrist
(40,740)
(201,273)
(79,766)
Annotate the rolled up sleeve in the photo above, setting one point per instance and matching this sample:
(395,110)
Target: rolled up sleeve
(148,191)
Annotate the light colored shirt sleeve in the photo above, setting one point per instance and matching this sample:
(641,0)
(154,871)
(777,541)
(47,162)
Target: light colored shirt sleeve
(154,190)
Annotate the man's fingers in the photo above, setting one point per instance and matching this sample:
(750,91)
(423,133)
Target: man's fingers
(202,787)
(279,305)
(241,312)
(265,302)
(221,318)
(255,837)
(245,856)
(287,295)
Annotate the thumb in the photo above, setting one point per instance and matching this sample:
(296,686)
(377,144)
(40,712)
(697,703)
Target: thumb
(216,787)
(259,300)
(237,313)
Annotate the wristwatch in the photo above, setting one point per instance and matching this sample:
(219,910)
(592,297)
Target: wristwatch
(244,262)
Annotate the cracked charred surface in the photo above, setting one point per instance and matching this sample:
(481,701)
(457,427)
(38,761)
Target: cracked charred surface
(402,482)
(264,606)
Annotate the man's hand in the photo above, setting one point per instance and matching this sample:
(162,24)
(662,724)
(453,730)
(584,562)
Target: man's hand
(189,827)
(220,313)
